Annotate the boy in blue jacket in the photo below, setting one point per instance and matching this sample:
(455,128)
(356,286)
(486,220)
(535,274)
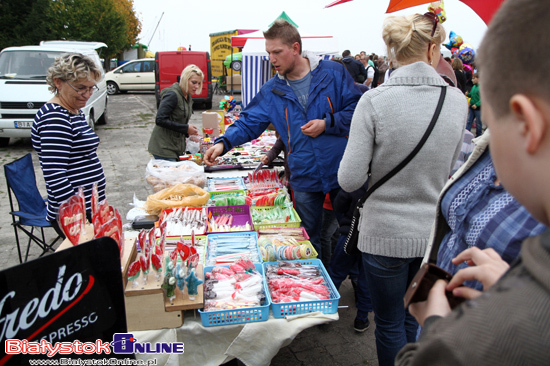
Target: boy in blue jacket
(310,103)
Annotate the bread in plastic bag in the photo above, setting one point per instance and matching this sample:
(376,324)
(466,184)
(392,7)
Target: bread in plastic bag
(193,144)
(180,195)
(163,174)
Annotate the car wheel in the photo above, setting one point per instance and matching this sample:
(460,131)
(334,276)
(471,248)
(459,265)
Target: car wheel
(91,120)
(237,65)
(112,88)
(103,119)
(4,141)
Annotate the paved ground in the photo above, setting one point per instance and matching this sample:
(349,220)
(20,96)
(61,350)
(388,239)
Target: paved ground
(123,153)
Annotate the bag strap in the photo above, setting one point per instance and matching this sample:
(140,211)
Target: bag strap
(412,154)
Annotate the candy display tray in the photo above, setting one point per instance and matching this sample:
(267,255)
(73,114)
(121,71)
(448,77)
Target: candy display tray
(241,215)
(251,234)
(277,224)
(237,316)
(328,306)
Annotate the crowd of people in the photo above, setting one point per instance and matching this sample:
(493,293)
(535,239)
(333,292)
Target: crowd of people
(485,224)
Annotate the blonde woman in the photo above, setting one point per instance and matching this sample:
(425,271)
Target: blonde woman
(172,126)
(388,123)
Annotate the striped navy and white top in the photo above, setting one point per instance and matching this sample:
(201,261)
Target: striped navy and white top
(66,148)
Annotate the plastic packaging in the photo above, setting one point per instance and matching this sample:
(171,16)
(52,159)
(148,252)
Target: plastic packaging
(162,174)
(180,195)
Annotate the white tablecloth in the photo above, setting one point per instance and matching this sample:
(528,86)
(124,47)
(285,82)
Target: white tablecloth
(255,344)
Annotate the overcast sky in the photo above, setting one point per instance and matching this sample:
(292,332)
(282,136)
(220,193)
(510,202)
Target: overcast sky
(356,25)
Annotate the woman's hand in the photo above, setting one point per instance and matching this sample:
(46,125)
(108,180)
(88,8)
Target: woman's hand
(436,304)
(486,267)
(264,159)
(192,130)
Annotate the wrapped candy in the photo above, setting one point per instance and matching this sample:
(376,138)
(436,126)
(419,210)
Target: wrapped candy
(193,283)
(134,271)
(156,261)
(145,262)
(72,217)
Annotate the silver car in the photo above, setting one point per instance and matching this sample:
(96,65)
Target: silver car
(133,75)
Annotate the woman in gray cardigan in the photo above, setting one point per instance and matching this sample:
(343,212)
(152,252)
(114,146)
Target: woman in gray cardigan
(388,123)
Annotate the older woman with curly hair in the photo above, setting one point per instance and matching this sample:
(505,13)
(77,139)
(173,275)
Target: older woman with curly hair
(65,144)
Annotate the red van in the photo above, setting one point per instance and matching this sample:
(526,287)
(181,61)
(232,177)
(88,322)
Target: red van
(170,64)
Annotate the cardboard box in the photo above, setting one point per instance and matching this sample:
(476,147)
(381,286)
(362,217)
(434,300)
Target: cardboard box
(237,82)
(214,120)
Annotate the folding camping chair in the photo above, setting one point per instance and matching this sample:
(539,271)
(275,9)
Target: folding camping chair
(21,181)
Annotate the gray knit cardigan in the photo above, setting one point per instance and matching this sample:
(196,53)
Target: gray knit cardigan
(388,123)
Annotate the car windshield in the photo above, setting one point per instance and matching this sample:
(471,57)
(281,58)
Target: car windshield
(26,64)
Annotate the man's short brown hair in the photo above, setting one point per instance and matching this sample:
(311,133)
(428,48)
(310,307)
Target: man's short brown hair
(286,32)
(516,43)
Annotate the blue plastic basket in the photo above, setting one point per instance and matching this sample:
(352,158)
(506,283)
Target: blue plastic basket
(237,316)
(329,306)
(250,234)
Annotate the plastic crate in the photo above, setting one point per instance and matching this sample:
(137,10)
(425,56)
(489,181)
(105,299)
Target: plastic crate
(236,193)
(301,242)
(277,224)
(306,237)
(239,184)
(241,215)
(329,306)
(166,211)
(237,316)
(250,234)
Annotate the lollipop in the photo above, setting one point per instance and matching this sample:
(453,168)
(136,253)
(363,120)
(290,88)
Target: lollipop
(156,260)
(193,283)
(133,272)
(145,262)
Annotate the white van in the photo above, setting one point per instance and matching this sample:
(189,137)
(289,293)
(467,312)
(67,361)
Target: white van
(23,88)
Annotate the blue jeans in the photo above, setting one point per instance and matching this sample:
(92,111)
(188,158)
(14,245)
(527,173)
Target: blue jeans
(161,158)
(475,113)
(387,280)
(309,206)
(342,265)
(329,229)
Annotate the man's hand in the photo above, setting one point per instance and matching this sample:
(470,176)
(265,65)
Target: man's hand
(436,304)
(212,153)
(486,267)
(264,159)
(314,128)
(192,130)
(474,106)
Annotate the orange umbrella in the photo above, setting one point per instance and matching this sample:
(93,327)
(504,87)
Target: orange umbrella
(484,8)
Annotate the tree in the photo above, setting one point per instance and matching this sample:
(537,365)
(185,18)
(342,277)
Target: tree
(113,22)
(22,22)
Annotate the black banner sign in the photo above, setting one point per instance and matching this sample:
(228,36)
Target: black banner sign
(64,305)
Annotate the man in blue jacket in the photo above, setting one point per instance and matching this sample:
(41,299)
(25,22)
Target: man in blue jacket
(310,103)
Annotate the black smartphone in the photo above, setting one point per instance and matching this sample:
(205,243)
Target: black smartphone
(423,282)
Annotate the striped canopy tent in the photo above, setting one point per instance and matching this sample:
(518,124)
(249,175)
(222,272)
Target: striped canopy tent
(256,69)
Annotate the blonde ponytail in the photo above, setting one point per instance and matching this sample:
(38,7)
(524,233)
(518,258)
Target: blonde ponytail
(407,37)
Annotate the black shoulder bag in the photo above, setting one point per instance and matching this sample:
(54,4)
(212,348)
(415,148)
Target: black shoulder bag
(350,246)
